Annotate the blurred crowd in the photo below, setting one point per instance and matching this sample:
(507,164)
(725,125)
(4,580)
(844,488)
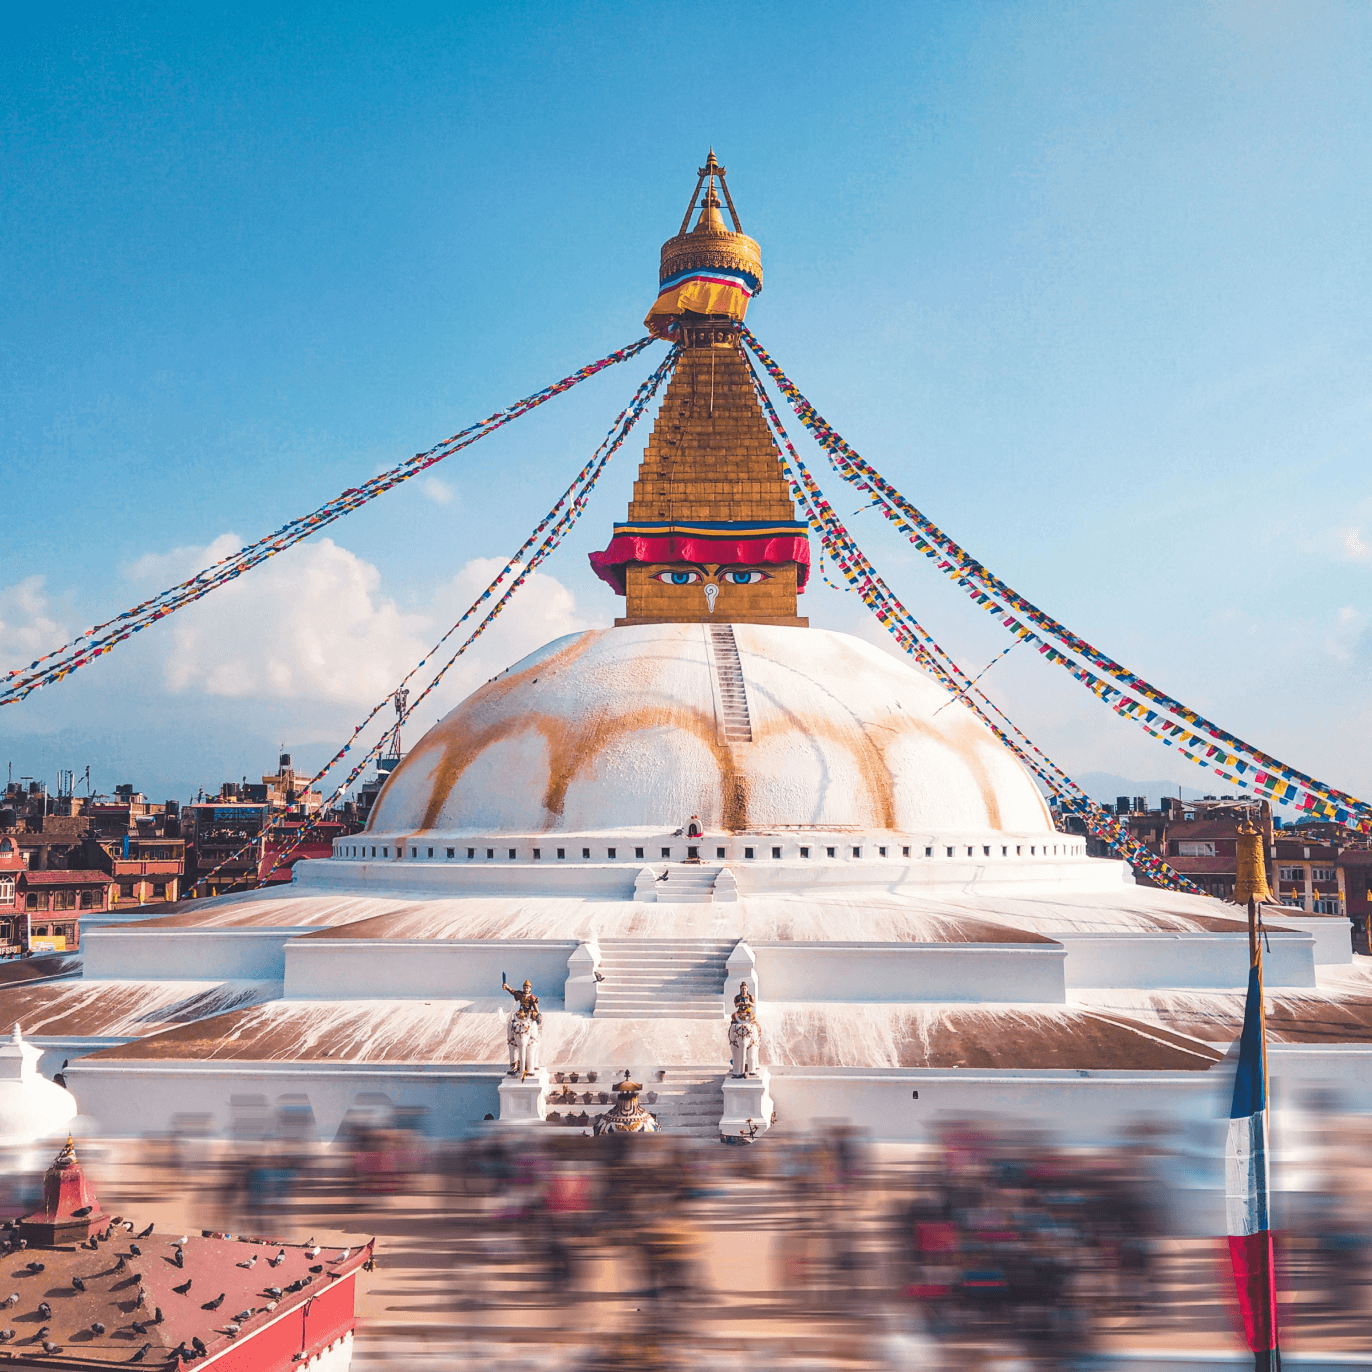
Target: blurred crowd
(989,1248)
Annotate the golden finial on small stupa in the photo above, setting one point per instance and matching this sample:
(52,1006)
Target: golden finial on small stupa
(1251,879)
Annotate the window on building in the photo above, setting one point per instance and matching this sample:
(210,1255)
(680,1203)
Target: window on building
(881,852)
(610,852)
(6,889)
(512,854)
(586,852)
(638,853)
(490,852)
(431,852)
(829,852)
(1324,874)
(905,852)
(857,852)
(1195,848)
(805,852)
(471,853)
(928,852)
(1326,907)
(1290,873)
(126,890)
(950,852)
(538,854)
(562,852)
(667,852)
(159,890)
(452,852)
(719,852)
(776,852)
(747,852)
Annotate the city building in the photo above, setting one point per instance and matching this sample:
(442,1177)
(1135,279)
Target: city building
(133,1302)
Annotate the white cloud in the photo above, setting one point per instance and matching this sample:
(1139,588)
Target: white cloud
(1355,549)
(437,490)
(1347,633)
(26,627)
(314,626)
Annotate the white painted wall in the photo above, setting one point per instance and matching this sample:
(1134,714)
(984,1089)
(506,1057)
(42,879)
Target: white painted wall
(1333,935)
(187,954)
(1157,960)
(130,1100)
(1077,1107)
(424,969)
(791,971)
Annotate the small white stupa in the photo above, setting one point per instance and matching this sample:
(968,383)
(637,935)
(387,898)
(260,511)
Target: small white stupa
(31,1106)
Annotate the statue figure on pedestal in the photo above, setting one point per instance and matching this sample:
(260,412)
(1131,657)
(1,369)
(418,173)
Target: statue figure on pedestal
(522,1036)
(745,1034)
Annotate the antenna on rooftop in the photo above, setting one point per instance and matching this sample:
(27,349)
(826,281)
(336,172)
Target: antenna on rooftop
(400,700)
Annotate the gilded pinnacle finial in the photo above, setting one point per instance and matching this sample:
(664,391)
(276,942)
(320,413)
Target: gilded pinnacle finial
(709,271)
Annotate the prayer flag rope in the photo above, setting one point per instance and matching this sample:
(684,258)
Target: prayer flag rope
(553,527)
(1197,738)
(60,663)
(863,578)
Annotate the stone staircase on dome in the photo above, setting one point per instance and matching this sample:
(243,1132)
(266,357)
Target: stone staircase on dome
(733,696)
(688,883)
(662,978)
(686,1101)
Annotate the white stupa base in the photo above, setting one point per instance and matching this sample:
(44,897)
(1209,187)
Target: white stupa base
(524,1101)
(747,1107)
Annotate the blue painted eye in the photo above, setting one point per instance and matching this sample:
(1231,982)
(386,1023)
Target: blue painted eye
(748,578)
(678,578)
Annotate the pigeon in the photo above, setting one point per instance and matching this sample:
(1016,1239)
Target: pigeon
(128,1224)
(11,1299)
(343,1256)
(274,1292)
(157,1315)
(199,1345)
(145,1232)
(270,1305)
(82,1212)
(244,1315)
(135,1250)
(215,1303)
(37,1266)
(318,1267)
(121,1264)
(181,1242)
(6,1335)
(44,1331)
(51,1347)
(45,1310)
(179,1353)
(231,1330)
(141,1354)
(78,1283)
(313,1253)
(183,1288)
(179,1258)
(139,1327)
(23,1243)
(142,1296)
(97,1328)
(251,1263)
(278,1259)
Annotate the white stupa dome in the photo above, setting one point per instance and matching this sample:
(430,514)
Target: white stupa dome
(633,726)
(31,1106)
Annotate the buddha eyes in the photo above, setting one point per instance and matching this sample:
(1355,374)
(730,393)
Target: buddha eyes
(749,577)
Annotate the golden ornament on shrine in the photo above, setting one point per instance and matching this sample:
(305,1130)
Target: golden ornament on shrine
(1252,869)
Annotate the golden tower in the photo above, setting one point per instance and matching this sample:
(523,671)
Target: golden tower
(712,534)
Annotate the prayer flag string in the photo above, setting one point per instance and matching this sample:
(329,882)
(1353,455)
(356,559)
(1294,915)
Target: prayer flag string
(1197,738)
(60,663)
(552,528)
(863,578)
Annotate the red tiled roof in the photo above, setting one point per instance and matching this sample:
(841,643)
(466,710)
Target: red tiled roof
(78,877)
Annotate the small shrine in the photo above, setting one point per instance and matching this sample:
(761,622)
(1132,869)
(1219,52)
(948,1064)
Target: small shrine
(626,1115)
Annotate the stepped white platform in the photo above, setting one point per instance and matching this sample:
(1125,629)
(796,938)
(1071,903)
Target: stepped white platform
(884,876)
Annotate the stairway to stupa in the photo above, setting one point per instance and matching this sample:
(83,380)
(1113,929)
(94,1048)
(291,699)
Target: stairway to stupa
(688,883)
(684,1100)
(662,978)
(733,697)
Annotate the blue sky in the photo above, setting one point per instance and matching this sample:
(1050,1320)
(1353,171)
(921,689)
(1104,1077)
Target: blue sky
(1090,283)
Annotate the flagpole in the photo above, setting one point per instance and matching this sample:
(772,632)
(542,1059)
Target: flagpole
(1248,1152)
